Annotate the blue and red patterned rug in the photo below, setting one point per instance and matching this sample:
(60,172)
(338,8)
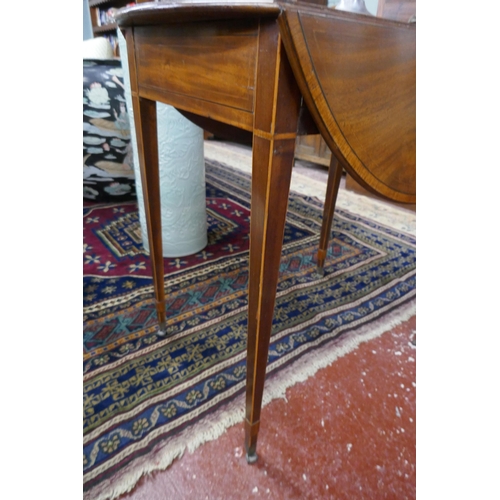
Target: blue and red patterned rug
(148,398)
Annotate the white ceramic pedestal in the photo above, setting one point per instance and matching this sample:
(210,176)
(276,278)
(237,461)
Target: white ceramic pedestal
(182,176)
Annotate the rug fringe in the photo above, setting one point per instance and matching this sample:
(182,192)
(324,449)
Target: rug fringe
(309,364)
(216,424)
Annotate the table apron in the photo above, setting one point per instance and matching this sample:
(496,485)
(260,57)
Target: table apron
(207,68)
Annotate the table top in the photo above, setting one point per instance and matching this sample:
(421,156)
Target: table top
(175,11)
(170,11)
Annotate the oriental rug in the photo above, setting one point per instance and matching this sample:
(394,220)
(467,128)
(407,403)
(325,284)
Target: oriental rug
(147,398)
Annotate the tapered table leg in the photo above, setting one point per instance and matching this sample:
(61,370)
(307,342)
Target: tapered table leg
(332,189)
(275,125)
(147,146)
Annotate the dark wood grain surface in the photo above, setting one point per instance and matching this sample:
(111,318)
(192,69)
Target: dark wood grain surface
(358,77)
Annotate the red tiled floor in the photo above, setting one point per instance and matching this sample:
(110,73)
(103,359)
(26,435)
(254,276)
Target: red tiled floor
(346,433)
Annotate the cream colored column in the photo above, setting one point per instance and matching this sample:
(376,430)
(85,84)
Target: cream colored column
(182,176)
